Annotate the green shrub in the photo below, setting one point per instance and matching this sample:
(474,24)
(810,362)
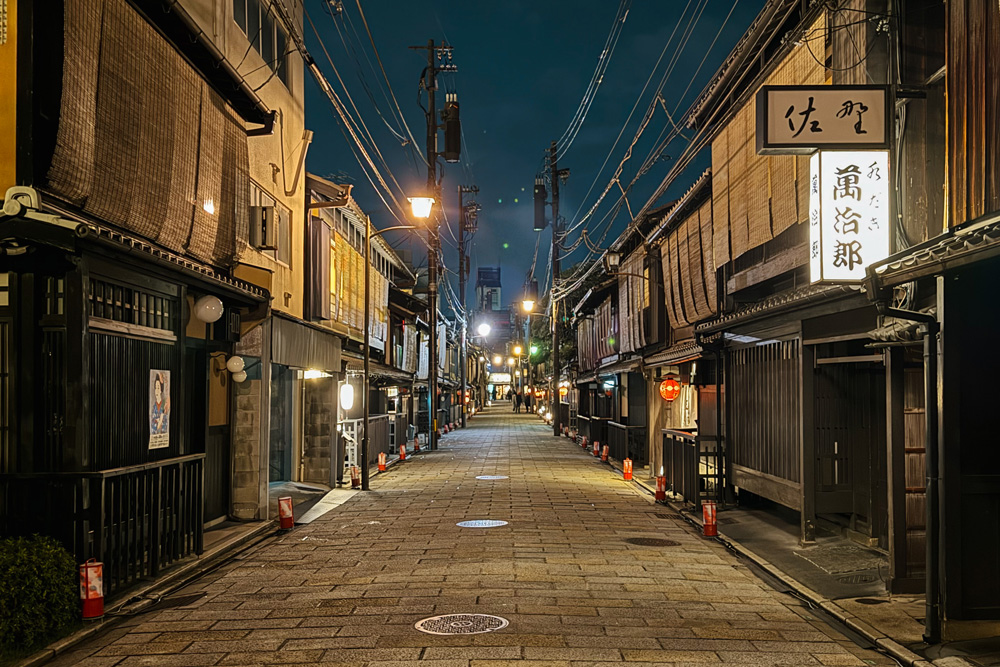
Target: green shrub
(39,591)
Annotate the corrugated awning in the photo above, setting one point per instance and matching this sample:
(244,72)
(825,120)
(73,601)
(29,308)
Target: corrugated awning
(298,344)
(378,371)
(622,366)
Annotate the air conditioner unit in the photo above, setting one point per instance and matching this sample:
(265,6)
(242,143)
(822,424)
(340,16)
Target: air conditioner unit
(263,228)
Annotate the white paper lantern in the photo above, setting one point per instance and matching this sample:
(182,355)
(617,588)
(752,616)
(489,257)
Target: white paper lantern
(208,308)
(239,377)
(347,396)
(235,364)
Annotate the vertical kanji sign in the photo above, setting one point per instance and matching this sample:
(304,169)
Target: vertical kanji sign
(848,214)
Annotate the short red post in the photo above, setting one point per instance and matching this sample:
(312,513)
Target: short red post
(661,488)
(92,590)
(402,451)
(286,514)
(355,477)
(583,442)
(381,461)
(627,469)
(597,448)
(445,428)
(710,527)
(416,445)
(604,453)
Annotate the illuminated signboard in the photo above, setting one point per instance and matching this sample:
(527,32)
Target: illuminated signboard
(801,119)
(499,378)
(848,214)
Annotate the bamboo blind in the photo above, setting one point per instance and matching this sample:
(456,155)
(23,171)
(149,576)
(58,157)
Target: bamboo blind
(757,197)
(143,143)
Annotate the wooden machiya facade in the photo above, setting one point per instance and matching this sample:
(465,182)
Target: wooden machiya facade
(125,215)
(823,398)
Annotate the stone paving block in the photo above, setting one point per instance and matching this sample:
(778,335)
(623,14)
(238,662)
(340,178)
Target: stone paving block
(348,588)
(186,660)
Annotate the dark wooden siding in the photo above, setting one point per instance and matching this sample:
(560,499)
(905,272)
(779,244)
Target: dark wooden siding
(973,108)
(763,396)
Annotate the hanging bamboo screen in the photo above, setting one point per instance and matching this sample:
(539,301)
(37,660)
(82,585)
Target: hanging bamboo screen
(757,197)
(720,198)
(143,143)
(630,292)
(708,259)
(688,269)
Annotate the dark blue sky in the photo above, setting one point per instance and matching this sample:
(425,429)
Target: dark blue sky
(523,68)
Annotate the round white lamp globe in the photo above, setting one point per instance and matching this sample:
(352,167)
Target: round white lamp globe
(208,308)
(235,364)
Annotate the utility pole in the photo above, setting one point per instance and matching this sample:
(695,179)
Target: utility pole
(433,237)
(466,222)
(554,385)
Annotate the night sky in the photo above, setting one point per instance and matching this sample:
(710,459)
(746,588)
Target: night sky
(523,69)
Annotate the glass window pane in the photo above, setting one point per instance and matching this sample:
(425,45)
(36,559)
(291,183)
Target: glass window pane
(267,37)
(253,22)
(281,62)
(240,14)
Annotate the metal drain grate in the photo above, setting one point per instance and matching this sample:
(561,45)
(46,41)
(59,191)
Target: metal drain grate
(652,542)
(870,601)
(665,515)
(857,579)
(481,523)
(492,477)
(461,624)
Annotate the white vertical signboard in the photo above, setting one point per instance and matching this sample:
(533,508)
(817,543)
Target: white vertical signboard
(848,214)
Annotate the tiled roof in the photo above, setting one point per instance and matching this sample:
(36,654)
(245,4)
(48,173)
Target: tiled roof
(972,242)
(777,304)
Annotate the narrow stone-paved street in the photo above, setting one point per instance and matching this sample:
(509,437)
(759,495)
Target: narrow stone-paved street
(348,588)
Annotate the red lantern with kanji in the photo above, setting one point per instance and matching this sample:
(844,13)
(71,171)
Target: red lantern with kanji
(670,389)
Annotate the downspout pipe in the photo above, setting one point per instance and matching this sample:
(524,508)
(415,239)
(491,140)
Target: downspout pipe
(932,458)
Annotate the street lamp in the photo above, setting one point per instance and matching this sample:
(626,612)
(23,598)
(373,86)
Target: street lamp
(510,361)
(517,350)
(484,329)
(421,206)
(421,210)
(497,360)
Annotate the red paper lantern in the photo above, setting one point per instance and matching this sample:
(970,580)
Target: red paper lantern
(670,389)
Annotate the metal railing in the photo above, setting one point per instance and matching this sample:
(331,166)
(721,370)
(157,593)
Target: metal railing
(136,520)
(379,440)
(691,466)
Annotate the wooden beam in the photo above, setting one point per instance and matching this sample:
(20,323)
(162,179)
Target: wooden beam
(783,262)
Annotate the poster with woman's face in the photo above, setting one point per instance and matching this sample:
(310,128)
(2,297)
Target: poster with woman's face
(159,409)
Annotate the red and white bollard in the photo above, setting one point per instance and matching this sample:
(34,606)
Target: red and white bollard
(416,445)
(445,429)
(355,477)
(604,453)
(627,469)
(709,528)
(381,461)
(661,488)
(597,448)
(92,590)
(286,514)
(402,452)
(583,442)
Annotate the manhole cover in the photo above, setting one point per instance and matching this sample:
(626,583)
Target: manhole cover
(857,579)
(870,601)
(491,477)
(652,542)
(461,624)
(481,523)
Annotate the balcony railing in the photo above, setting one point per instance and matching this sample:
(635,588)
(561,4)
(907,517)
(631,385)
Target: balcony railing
(136,520)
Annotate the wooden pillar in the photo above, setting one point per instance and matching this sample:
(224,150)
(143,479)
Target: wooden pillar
(807,450)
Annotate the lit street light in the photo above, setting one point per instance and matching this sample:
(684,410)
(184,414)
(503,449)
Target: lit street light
(497,360)
(484,329)
(517,350)
(421,210)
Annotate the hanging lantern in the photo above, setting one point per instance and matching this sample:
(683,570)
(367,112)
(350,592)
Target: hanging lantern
(670,389)
(208,308)
(347,396)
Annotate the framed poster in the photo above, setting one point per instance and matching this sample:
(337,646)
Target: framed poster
(159,409)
